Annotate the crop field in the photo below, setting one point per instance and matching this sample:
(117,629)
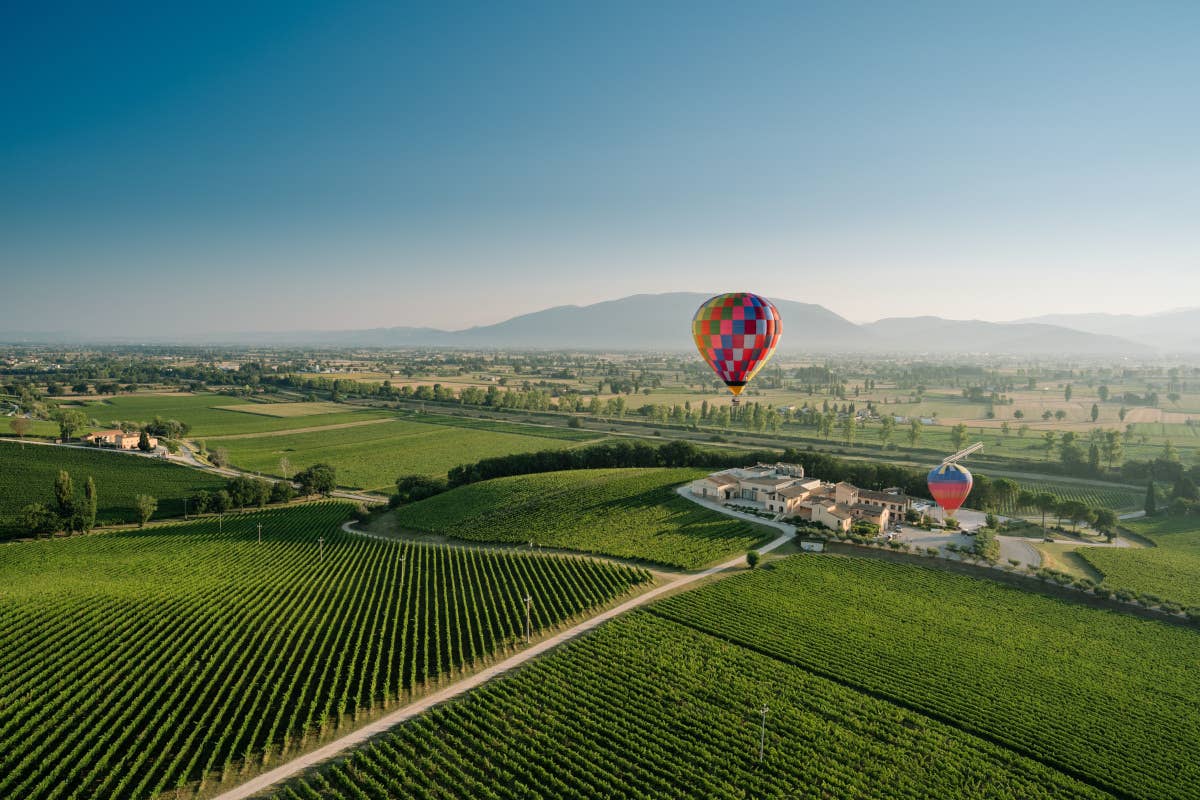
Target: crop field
(372,457)
(286,409)
(142,662)
(629,513)
(28,477)
(645,707)
(500,426)
(1169,571)
(1036,675)
(212,414)
(1114,497)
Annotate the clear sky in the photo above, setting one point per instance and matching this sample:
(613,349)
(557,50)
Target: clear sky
(277,166)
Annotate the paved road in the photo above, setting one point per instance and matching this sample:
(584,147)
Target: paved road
(361,735)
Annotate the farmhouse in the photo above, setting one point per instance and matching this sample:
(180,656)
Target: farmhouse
(784,490)
(118,438)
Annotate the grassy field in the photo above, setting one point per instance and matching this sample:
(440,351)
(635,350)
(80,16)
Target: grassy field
(29,473)
(141,662)
(1169,571)
(215,414)
(630,513)
(645,707)
(372,457)
(1036,675)
(872,691)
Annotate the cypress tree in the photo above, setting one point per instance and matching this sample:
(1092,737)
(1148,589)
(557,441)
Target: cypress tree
(89,504)
(1151,499)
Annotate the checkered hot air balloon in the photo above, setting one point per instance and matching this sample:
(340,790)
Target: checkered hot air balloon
(736,334)
(950,484)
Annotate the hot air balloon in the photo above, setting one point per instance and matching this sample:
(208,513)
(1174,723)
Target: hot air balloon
(950,484)
(736,334)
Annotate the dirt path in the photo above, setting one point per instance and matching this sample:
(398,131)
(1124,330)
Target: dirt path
(290,431)
(338,746)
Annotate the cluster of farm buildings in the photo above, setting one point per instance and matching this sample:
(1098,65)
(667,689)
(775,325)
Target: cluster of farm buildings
(118,438)
(783,489)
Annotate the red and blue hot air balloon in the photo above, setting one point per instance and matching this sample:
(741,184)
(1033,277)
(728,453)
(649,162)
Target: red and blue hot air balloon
(950,484)
(736,334)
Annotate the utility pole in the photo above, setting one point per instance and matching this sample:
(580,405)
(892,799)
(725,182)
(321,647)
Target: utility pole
(221,523)
(260,533)
(321,542)
(762,736)
(528,608)
(185,508)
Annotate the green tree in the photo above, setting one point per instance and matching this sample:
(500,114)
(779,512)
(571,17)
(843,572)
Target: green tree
(90,502)
(64,494)
(1005,429)
(752,559)
(69,421)
(1122,413)
(144,442)
(849,426)
(1151,504)
(36,519)
(1048,441)
(146,505)
(317,479)
(282,491)
(1045,503)
(1095,412)
(1105,520)
(958,436)
(21,426)
(1169,453)
(1103,392)
(887,427)
(221,502)
(1067,393)
(915,429)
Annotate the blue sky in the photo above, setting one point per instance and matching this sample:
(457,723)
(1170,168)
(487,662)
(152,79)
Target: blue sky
(274,166)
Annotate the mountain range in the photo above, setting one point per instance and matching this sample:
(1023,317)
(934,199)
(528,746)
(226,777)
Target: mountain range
(660,322)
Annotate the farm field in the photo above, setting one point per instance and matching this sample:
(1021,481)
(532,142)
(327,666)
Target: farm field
(1037,675)
(629,513)
(372,457)
(646,707)
(214,414)
(286,409)
(1169,571)
(1115,497)
(29,473)
(140,662)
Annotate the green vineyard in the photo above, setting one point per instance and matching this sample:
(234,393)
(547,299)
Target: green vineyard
(629,513)
(1169,571)
(29,472)
(1114,497)
(136,663)
(648,708)
(1086,692)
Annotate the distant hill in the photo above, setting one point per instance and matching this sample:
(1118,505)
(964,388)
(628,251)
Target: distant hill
(660,322)
(1171,331)
(937,335)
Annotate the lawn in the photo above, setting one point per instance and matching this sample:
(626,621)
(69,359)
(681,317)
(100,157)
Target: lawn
(27,476)
(372,457)
(629,513)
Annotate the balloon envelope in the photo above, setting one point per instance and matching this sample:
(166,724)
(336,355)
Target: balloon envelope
(950,484)
(736,334)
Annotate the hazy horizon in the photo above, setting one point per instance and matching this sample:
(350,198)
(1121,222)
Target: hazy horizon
(175,172)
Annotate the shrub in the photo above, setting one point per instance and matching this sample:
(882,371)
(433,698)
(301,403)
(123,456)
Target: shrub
(752,559)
